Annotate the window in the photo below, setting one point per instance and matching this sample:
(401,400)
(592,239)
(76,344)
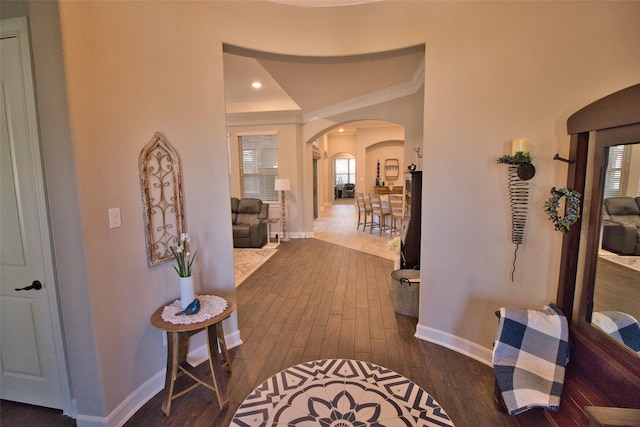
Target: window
(258,165)
(345,171)
(617,171)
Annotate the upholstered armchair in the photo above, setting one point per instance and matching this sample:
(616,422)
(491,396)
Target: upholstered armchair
(248,219)
(621,225)
(349,190)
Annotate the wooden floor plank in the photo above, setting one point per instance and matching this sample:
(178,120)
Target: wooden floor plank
(346,341)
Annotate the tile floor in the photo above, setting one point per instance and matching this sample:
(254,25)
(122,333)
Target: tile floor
(337,224)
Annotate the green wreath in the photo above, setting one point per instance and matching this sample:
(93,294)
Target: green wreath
(572,208)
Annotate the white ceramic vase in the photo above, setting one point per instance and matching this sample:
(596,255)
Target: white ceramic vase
(187,294)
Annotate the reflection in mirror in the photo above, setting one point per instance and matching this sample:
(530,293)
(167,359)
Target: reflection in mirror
(616,300)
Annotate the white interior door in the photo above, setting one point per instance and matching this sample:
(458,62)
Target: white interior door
(32,357)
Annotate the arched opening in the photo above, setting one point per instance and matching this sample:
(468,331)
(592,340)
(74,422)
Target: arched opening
(374,98)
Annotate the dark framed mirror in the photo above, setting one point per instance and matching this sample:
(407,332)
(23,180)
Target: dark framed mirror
(611,121)
(615,307)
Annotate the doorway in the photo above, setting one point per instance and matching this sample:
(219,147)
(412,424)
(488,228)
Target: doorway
(309,97)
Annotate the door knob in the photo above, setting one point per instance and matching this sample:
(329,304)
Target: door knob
(35,285)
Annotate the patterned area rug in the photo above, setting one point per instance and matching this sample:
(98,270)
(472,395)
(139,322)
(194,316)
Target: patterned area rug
(628,261)
(339,392)
(246,261)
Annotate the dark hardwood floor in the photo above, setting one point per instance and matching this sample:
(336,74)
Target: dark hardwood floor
(20,415)
(316,300)
(617,288)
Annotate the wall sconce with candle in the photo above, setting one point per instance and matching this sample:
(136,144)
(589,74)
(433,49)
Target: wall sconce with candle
(521,170)
(282,185)
(521,157)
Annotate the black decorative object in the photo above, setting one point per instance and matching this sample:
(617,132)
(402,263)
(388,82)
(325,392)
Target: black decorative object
(411,223)
(521,170)
(526,171)
(192,308)
(562,159)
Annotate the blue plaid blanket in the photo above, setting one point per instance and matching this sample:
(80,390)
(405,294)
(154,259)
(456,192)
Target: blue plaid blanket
(529,357)
(620,326)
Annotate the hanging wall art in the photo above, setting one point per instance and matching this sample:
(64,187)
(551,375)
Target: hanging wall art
(521,170)
(162,202)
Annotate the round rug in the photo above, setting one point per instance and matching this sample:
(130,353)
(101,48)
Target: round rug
(339,393)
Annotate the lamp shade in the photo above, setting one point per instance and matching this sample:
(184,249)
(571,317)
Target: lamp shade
(282,184)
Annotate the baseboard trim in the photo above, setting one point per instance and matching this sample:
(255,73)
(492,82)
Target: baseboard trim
(136,400)
(452,342)
(300,235)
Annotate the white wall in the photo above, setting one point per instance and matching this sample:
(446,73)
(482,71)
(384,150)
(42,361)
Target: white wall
(133,71)
(518,73)
(494,71)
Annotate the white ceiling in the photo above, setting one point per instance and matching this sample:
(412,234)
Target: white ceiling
(310,84)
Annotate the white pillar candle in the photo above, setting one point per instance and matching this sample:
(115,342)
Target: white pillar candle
(519,144)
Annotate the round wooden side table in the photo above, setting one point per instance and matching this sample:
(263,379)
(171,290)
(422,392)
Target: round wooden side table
(178,346)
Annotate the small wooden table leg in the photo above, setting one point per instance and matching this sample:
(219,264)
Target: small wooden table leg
(223,346)
(215,364)
(172,369)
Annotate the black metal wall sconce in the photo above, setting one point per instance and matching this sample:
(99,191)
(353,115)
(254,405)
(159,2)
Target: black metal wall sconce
(562,159)
(520,158)
(521,170)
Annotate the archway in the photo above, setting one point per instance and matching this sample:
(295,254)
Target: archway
(367,142)
(328,92)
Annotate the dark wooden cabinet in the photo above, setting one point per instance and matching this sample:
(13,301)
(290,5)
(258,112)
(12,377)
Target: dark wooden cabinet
(411,224)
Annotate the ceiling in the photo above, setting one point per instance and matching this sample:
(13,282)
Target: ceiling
(308,85)
(323,3)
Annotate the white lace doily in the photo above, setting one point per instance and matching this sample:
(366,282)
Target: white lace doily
(210,306)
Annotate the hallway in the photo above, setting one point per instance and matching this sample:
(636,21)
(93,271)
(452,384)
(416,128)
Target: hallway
(315,300)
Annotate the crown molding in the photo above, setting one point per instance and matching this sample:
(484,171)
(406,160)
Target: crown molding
(264,118)
(388,94)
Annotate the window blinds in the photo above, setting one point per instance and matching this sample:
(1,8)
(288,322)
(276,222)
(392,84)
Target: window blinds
(617,175)
(259,165)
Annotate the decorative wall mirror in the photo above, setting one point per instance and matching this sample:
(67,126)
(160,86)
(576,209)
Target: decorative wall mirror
(161,186)
(616,293)
(613,367)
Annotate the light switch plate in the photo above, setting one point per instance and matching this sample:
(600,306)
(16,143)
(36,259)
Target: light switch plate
(114,218)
